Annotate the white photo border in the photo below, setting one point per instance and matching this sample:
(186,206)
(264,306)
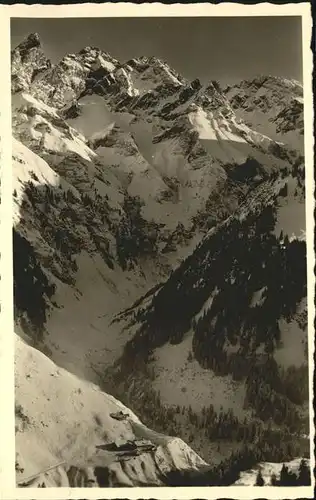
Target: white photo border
(8,489)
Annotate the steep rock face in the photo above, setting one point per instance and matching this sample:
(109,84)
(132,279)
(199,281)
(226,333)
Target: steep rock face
(59,84)
(27,62)
(120,170)
(271,105)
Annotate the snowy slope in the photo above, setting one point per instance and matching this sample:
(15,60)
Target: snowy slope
(183,381)
(85,306)
(61,419)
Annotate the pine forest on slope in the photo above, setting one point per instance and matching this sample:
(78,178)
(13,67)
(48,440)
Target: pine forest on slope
(159,256)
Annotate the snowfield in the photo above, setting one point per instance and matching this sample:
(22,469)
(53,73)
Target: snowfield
(291,214)
(186,383)
(86,312)
(293,342)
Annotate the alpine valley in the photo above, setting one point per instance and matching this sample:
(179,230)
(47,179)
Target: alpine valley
(159,275)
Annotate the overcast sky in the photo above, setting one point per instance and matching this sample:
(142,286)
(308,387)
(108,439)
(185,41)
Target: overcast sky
(224,49)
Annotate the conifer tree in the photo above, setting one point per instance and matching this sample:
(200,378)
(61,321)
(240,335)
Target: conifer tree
(274,481)
(304,478)
(259,480)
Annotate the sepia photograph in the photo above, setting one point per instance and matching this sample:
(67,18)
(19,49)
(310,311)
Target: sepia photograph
(160,252)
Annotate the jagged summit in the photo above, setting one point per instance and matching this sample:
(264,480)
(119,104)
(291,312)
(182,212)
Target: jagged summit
(273,105)
(33,40)
(262,79)
(28,61)
(90,70)
(24,48)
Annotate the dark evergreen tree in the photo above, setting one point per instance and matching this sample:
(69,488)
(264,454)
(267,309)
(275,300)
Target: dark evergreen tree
(274,480)
(286,477)
(304,478)
(259,480)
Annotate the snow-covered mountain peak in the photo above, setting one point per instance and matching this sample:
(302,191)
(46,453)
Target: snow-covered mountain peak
(147,73)
(271,105)
(269,81)
(63,82)
(33,40)
(263,94)
(96,59)
(28,61)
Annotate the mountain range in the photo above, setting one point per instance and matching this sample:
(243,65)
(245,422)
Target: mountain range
(159,270)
